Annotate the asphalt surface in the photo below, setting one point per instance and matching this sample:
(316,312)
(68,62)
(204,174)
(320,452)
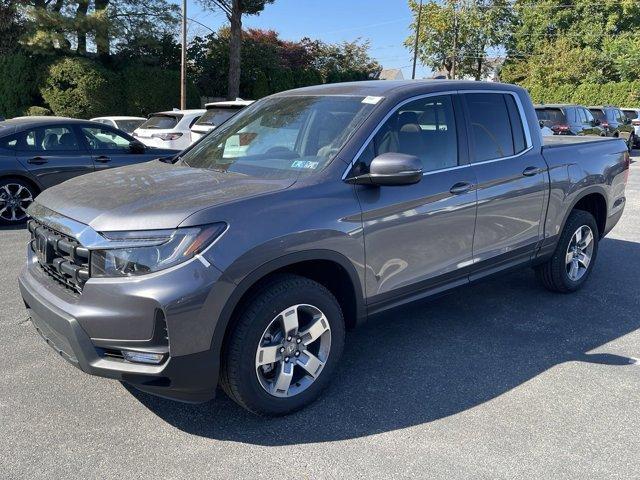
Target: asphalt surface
(499,380)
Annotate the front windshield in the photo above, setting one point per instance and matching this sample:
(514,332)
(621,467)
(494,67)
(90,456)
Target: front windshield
(281,136)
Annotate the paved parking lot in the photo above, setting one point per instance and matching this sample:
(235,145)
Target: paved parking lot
(501,380)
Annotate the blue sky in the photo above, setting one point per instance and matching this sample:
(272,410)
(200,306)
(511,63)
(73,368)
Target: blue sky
(385,23)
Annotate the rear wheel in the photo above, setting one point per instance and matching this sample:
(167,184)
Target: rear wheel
(284,348)
(574,257)
(15,196)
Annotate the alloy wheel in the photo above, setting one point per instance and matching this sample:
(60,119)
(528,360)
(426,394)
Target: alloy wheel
(579,253)
(293,350)
(14,200)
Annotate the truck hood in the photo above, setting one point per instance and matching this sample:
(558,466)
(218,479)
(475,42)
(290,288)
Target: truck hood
(151,195)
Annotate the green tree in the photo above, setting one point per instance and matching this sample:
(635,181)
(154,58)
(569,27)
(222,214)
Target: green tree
(574,41)
(234,10)
(457,36)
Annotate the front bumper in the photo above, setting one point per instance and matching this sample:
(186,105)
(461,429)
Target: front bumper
(75,326)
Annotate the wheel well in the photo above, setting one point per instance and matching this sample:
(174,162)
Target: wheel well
(23,179)
(596,205)
(326,272)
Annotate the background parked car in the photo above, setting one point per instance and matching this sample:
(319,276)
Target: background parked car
(633,114)
(39,152)
(217,112)
(168,129)
(569,119)
(126,124)
(615,122)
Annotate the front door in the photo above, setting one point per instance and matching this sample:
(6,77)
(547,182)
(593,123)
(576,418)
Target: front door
(419,236)
(52,154)
(110,148)
(512,180)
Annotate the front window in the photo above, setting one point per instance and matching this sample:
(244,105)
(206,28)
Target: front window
(103,139)
(282,136)
(216,116)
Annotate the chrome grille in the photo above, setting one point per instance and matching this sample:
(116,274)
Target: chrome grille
(60,256)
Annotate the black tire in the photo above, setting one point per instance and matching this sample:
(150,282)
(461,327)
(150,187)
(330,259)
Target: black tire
(12,183)
(553,273)
(238,376)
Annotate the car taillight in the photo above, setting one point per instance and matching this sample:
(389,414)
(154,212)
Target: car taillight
(560,129)
(167,136)
(604,124)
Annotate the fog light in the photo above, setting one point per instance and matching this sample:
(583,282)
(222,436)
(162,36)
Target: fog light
(142,357)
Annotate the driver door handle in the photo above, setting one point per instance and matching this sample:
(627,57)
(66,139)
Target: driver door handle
(37,161)
(103,159)
(461,187)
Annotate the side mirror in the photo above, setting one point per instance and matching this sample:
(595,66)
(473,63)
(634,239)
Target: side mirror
(137,147)
(391,169)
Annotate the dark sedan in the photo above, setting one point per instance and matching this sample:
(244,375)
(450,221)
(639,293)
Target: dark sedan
(616,123)
(39,152)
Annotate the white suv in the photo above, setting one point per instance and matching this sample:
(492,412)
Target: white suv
(217,113)
(168,129)
(633,114)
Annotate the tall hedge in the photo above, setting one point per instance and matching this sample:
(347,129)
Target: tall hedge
(79,87)
(151,89)
(20,79)
(623,94)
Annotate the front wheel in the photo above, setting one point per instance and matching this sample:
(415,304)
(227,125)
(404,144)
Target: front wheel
(574,257)
(284,348)
(15,196)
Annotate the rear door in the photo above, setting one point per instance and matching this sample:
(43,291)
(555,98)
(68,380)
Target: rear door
(512,180)
(419,236)
(53,154)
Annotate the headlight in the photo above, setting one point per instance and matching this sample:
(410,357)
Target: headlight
(149,251)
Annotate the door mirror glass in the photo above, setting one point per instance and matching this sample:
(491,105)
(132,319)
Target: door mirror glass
(391,169)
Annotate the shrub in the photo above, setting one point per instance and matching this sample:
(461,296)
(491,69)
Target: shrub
(20,79)
(36,111)
(619,94)
(79,87)
(151,89)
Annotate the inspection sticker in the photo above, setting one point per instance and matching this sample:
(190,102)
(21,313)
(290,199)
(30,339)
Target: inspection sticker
(304,164)
(372,100)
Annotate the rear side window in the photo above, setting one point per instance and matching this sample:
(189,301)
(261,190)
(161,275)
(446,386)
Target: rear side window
(519,142)
(161,122)
(587,115)
(9,143)
(490,126)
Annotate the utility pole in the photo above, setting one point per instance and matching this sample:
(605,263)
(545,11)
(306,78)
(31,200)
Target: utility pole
(415,44)
(455,41)
(183,60)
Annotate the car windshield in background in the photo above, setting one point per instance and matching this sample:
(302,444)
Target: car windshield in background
(129,125)
(282,136)
(161,122)
(550,116)
(216,116)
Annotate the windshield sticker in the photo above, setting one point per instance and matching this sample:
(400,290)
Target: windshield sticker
(305,164)
(372,100)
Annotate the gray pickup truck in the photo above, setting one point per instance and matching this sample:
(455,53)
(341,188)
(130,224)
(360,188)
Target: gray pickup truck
(244,261)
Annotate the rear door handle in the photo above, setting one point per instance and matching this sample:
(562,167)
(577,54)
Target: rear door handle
(37,161)
(103,159)
(531,171)
(461,187)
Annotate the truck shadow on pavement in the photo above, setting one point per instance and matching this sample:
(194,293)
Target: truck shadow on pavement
(434,359)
